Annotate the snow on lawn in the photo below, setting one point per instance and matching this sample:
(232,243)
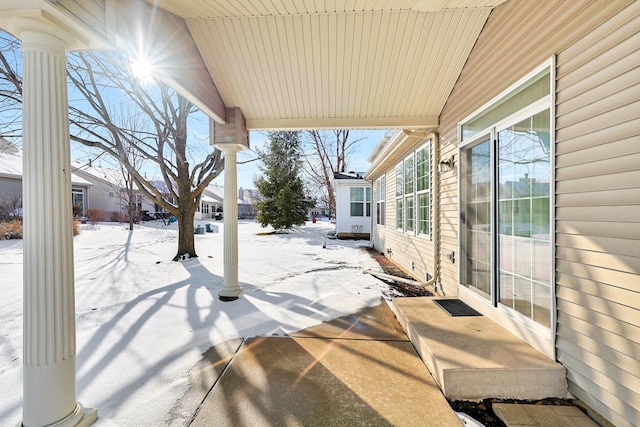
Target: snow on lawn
(144,321)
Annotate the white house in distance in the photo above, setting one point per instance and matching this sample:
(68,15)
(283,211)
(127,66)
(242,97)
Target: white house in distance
(11,184)
(211,202)
(353,205)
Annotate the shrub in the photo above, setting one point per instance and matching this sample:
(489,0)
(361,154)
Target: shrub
(95,215)
(11,230)
(115,216)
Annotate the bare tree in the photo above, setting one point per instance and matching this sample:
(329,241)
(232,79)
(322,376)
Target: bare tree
(10,89)
(100,83)
(327,153)
(99,78)
(10,207)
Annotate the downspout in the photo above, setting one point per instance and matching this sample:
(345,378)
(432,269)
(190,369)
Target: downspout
(371,244)
(431,283)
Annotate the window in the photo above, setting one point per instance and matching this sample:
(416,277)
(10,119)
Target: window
(409,196)
(423,190)
(399,194)
(112,194)
(381,189)
(77,198)
(506,204)
(413,177)
(360,198)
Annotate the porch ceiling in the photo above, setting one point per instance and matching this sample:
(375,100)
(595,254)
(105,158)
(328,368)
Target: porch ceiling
(291,64)
(353,63)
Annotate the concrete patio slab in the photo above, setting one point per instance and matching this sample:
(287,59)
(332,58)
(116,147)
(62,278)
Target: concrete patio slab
(312,381)
(359,370)
(542,416)
(377,323)
(473,358)
(201,378)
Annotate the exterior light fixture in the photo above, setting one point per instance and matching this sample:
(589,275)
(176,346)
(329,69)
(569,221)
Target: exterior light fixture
(446,165)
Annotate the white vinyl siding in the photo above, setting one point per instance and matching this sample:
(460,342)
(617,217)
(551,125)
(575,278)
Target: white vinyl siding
(353,207)
(596,187)
(598,199)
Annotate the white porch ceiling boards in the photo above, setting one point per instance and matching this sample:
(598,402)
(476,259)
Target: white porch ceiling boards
(327,64)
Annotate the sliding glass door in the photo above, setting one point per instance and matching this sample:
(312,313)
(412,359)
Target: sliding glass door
(524,228)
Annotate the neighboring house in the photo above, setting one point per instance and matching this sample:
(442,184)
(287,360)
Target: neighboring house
(528,192)
(11,184)
(211,203)
(353,205)
(167,195)
(7,147)
(247,203)
(212,200)
(108,192)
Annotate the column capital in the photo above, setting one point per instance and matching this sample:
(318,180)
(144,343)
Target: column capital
(228,148)
(42,18)
(41,32)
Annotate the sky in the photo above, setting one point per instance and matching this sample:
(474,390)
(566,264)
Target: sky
(357,162)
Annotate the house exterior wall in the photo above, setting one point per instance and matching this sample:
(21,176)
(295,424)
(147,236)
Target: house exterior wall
(98,197)
(411,252)
(9,188)
(597,179)
(344,220)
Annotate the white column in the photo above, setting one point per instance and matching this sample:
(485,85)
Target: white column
(231,289)
(49,303)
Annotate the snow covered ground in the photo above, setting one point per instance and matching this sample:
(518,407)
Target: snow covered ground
(144,321)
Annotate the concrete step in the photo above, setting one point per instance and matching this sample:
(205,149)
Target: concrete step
(473,358)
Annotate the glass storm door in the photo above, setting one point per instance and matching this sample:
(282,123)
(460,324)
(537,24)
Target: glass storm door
(476,218)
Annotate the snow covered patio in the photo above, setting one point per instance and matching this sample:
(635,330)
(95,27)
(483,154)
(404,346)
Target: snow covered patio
(143,322)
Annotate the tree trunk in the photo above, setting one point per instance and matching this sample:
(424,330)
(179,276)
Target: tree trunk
(186,231)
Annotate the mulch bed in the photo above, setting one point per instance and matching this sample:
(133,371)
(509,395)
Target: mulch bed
(389,267)
(483,411)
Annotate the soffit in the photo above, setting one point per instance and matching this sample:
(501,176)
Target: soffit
(327,64)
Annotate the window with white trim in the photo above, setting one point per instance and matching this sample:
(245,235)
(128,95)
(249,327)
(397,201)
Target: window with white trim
(360,200)
(409,193)
(413,192)
(399,197)
(381,189)
(423,189)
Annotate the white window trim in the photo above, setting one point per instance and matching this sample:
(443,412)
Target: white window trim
(426,146)
(399,197)
(411,195)
(364,202)
(381,196)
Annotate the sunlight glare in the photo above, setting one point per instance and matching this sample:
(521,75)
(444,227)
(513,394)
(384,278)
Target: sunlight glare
(141,68)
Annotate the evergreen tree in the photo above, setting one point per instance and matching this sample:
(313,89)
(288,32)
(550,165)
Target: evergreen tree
(285,203)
